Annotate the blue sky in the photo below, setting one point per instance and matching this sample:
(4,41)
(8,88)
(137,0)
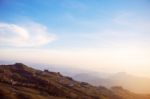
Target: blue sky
(107,30)
(73,20)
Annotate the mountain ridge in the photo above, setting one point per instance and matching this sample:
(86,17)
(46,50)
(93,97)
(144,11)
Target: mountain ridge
(18,81)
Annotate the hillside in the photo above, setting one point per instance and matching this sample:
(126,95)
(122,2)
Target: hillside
(19,81)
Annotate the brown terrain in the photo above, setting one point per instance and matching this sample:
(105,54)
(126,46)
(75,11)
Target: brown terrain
(19,81)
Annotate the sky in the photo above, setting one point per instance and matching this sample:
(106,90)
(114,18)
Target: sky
(98,35)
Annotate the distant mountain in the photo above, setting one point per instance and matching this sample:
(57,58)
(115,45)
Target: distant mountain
(19,81)
(93,78)
(130,82)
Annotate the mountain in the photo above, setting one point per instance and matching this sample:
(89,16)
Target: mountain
(93,78)
(18,81)
(125,94)
(130,82)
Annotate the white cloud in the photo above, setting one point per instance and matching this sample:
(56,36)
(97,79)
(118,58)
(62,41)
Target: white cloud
(29,35)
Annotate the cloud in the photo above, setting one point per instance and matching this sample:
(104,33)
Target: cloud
(29,35)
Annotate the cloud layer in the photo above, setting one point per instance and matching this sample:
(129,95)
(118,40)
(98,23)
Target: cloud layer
(29,35)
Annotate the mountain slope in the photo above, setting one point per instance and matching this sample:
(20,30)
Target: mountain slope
(19,81)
